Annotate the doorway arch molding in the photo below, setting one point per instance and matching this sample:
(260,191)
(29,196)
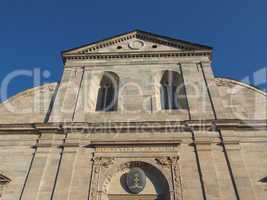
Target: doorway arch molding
(123,166)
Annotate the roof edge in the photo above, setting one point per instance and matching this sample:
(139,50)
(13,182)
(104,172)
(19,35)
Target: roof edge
(137,31)
(237,82)
(24,91)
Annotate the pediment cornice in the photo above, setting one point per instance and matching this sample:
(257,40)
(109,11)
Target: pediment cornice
(89,50)
(136,55)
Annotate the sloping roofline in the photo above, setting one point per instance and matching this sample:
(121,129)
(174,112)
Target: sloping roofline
(240,83)
(140,32)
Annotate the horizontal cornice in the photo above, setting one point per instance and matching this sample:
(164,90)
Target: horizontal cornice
(138,34)
(137,55)
(115,127)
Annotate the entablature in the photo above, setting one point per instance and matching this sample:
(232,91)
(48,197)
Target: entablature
(134,126)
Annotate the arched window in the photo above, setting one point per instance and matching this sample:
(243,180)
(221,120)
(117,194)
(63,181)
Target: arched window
(168,90)
(107,99)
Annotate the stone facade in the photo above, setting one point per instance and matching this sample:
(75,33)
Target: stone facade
(54,145)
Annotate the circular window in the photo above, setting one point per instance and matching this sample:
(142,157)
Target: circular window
(136,44)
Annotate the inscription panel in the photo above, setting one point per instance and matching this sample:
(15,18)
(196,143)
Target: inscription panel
(137,148)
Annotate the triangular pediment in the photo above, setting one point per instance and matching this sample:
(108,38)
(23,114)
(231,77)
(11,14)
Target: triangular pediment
(4,180)
(135,41)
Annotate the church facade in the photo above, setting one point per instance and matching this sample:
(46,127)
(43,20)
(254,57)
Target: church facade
(137,116)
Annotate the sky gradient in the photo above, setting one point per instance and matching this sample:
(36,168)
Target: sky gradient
(34,32)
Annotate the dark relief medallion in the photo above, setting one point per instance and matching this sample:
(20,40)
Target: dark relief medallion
(136,180)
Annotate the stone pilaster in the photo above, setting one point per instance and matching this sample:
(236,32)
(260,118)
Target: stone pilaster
(37,170)
(240,174)
(196,90)
(208,76)
(225,185)
(65,173)
(87,99)
(16,155)
(48,148)
(81,178)
(94,186)
(191,185)
(67,95)
(204,150)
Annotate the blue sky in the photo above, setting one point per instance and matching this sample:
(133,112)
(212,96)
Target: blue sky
(34,32)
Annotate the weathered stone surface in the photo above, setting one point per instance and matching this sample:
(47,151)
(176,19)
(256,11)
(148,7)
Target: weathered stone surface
(54,145)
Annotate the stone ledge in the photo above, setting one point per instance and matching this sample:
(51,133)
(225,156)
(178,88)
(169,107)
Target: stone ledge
(84,127)
(135,142)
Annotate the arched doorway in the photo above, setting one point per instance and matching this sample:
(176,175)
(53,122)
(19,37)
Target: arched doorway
(156,185)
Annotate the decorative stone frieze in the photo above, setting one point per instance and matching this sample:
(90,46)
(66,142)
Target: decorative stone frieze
(104,161)
(167,161)
(146,55)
